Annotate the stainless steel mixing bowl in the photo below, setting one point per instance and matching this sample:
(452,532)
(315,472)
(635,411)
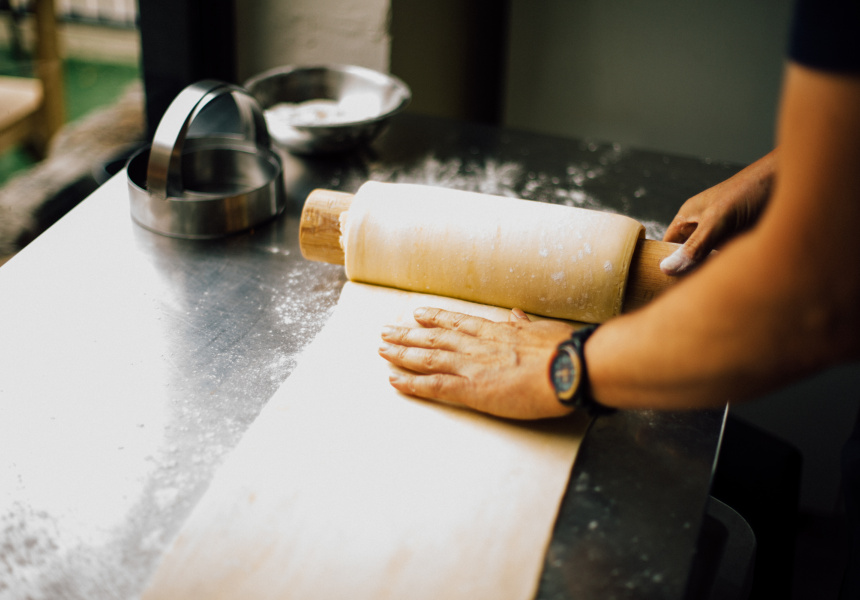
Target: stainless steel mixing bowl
(381,95)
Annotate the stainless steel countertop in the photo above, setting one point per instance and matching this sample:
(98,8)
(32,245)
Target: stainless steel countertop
(131,364)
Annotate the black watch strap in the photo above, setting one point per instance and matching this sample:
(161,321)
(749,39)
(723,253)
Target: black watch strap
(569,374)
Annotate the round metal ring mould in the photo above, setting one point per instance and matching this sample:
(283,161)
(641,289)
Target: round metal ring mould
(210,186)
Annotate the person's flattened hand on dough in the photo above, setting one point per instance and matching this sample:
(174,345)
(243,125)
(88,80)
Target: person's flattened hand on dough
(492,367)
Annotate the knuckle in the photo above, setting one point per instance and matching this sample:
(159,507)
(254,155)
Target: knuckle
(431,314)
(429,360)
(408,336)
(437,386)
(434,337)
(682,222)
(699,244)
(409,385)
(401,353)
(394,334)
(697,251)
(482,328)
(459,321)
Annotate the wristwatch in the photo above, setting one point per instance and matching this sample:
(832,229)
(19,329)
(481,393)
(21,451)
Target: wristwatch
(569,374)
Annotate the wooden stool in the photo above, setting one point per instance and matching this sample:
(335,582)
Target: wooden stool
(32,110)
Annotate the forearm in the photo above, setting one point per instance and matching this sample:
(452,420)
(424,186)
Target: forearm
(719,336)
(776,304)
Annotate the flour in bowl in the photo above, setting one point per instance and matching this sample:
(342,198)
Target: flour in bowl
(322,112)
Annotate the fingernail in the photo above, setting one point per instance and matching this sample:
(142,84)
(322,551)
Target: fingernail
(676,263)
(384,348)
(388,331)
(395,378)
(419,312)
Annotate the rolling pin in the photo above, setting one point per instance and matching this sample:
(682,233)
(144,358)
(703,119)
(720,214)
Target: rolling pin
(320,240)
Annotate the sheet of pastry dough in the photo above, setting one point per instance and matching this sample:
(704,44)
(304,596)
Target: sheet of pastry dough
(551,260)
(344,488)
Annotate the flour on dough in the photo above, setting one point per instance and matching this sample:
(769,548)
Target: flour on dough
(551,260)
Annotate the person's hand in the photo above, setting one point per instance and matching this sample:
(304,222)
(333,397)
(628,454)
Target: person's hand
(713,217)
(497,368)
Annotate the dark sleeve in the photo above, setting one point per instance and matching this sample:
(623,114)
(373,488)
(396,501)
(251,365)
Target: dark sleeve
(826,35)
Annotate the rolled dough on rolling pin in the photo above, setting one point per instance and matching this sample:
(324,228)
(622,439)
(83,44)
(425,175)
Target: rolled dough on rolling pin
(551,260)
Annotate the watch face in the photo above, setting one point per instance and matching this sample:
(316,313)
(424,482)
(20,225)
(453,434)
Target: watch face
(565,372)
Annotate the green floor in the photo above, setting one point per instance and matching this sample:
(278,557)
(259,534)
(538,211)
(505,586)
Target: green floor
(89,85)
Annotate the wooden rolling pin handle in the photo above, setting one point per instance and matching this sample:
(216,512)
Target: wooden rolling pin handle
(645,280)
(319,229)
(319,239)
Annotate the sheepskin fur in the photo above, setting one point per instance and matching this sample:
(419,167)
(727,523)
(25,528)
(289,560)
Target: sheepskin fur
(76,152)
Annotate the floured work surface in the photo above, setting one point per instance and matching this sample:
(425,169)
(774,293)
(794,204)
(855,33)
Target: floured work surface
(345,488)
